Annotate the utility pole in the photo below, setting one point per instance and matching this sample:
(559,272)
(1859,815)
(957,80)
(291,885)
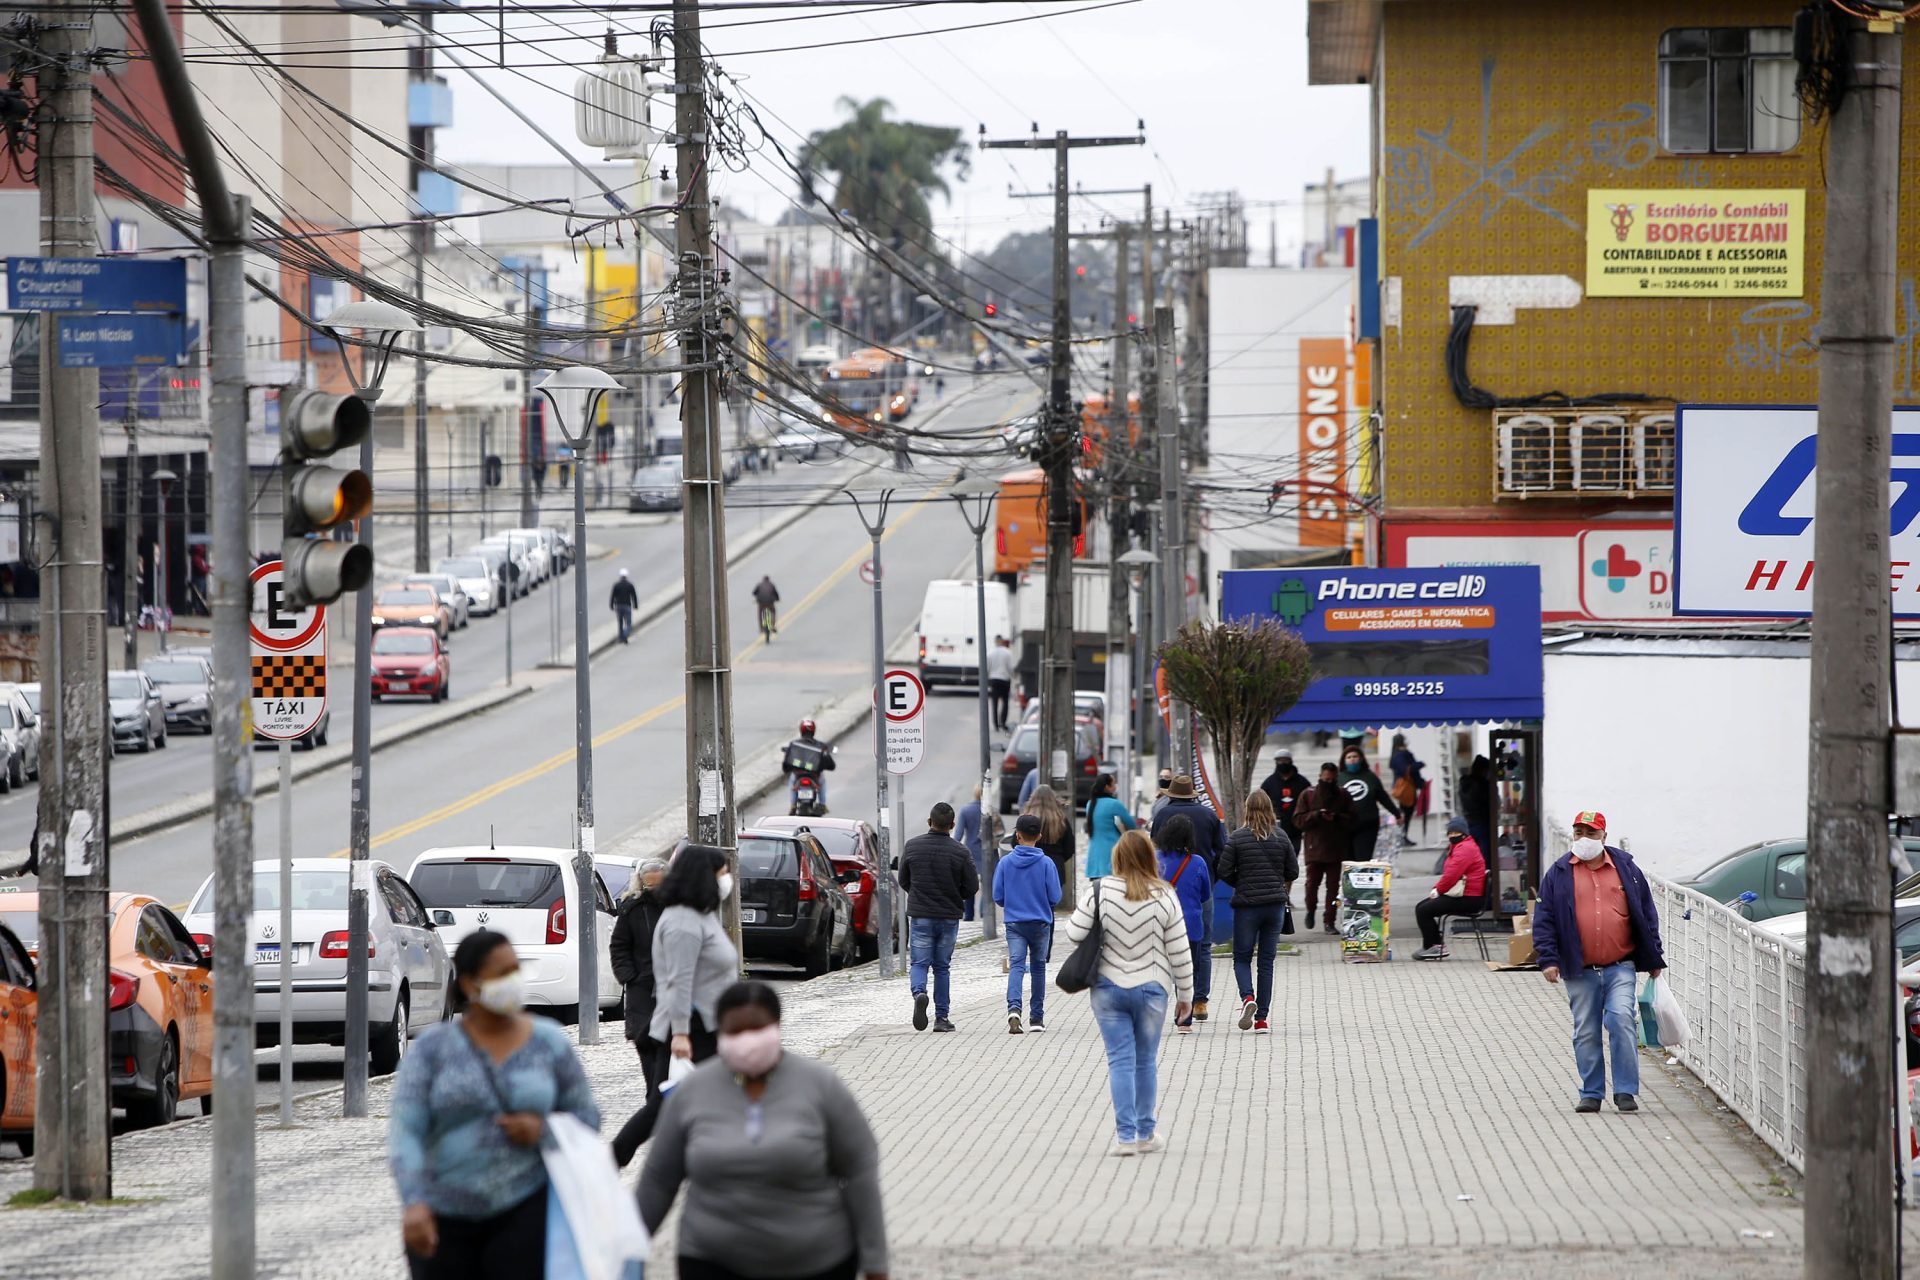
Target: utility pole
(890,840)
(130,532)
(72,1111)
(353,1078)
(710,813)
(528,406)
(420,140)
(1058,454)
(1173,529)
(1851,1217)
(225,218)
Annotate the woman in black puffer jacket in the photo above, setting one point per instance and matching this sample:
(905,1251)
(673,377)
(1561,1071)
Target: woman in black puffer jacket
(631,949)
(1261,865)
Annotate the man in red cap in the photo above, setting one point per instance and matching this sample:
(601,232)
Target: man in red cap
(1595,927)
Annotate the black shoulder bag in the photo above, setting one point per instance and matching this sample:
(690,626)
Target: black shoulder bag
(1083,966)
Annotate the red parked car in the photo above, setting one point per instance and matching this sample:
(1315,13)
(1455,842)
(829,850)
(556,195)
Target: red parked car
(410,660)
(854,847)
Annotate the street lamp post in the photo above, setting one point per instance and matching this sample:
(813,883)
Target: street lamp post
(1139,565)
(382,323)
(975,495)
(575,393)
(162,604)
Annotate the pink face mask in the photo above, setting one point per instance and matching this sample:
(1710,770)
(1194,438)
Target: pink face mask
(751,1053)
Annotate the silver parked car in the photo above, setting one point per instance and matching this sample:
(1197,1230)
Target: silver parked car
(186,689)
(20,730)
(655,487)
(451,592)
(139,715)
(477,583)
(408,978)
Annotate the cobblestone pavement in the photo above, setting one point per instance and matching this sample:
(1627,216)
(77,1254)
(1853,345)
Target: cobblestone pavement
(1406,1120)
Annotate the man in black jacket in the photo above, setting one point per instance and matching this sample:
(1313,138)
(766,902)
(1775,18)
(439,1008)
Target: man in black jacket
(625,600)
(938,875)
(1284,786)
(1369,796)
(631,949)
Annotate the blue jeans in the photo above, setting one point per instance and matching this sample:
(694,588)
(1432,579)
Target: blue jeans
(1256,927)
(1604,998)
(1130,1021)
(1202,967)
(624,615)
(931,944)
(1029,944)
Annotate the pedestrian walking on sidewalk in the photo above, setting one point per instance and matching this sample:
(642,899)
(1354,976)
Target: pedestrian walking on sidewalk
(469,1107)
(1462,891)
(1185,870)
(1056,828)
(1144,963)
(999,680)
(1261,865)
(1209,832)
(1594,928)
(1369,796)
(625,600)
(1284,787)
(1026,884)
(1107,821)
(937,873)
(1161,799)
(1326,825)
(631,950)
(781,1168)
(693,962)
(972,833)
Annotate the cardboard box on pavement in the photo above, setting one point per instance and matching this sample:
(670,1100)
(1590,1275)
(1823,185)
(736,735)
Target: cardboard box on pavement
(1520,949)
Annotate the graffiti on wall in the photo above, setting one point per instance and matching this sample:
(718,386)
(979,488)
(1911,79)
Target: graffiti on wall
(1449,172)
(1778,337)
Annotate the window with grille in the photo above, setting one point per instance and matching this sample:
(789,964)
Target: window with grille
(1728,90)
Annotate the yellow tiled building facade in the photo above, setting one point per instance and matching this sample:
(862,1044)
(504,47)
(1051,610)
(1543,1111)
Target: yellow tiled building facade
(1492,120)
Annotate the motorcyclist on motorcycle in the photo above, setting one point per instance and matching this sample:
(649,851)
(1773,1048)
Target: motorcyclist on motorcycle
(806,756)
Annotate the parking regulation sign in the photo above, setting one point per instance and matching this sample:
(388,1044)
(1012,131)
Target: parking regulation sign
(902,699)
(289,650)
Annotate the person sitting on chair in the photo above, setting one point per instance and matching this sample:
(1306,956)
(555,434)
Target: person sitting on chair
(1461,891)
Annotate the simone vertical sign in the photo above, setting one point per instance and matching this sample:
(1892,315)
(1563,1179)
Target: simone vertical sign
(1323,442)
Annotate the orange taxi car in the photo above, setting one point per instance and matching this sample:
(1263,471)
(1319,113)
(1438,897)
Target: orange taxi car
(18,1015)
(159,1004)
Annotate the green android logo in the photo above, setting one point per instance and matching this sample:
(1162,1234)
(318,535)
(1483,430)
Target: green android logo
(1292,602)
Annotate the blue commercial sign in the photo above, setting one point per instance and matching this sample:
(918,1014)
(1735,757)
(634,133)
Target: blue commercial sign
(96,284)
(1404,646)
(120,341)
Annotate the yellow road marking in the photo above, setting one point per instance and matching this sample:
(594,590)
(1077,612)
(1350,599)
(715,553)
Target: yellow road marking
(560,759)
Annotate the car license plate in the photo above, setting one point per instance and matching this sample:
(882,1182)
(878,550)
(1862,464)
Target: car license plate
(749,915)
(266,953)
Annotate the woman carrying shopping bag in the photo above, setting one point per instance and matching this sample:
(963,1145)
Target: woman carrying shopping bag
(780,1166)
(470,1105)
(1144,962)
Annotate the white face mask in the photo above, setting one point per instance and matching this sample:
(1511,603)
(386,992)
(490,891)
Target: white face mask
(726,885)
(1586,848)
(503,995)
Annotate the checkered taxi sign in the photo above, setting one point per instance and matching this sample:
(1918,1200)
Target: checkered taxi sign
(299,675)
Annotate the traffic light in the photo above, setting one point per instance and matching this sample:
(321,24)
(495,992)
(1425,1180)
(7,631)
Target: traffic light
(318,499)
(992,311)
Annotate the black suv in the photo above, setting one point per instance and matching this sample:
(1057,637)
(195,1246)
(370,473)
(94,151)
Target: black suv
(1023,753)
(792,908)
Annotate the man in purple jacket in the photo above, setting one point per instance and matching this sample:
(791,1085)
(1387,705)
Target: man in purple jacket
(1594,928)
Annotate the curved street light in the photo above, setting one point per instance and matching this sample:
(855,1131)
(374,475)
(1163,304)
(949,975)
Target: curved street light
(383,323)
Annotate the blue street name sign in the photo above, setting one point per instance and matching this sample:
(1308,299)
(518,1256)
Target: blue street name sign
(96,284)
(119,341)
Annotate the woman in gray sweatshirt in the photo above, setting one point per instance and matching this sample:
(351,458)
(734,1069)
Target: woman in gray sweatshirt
(693,962)
(781,1168)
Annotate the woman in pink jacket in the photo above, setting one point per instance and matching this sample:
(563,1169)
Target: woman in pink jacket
(1462,891)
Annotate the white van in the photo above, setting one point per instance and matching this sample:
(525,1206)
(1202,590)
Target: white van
(530,895)
(950,629)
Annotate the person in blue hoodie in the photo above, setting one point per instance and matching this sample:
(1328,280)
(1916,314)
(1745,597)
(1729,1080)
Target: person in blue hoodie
(1187,870)
(1026,884)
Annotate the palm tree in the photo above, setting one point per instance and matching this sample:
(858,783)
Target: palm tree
(885,170)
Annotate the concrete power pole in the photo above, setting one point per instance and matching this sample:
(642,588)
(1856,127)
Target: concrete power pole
(421,140)
(1119,468)
(1173,526)
(710,813)
(1060,450)
(72,1112)
(1850,1215)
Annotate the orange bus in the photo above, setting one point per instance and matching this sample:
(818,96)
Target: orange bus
(1020,524)
(873,385)
(1094,415)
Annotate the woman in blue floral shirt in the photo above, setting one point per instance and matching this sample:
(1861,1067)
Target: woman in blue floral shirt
(469,1109)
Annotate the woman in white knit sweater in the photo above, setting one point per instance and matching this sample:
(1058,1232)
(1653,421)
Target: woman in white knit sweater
(1144,962)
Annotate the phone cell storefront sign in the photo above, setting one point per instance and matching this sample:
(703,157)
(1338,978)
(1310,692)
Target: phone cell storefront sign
(1743,511)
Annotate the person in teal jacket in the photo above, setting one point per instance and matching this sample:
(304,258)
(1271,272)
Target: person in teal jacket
(1185,868)
(1107,819)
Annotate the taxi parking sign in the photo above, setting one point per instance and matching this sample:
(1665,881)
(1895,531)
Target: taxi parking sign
(289,651)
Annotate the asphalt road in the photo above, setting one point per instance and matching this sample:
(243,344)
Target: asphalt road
(508,775)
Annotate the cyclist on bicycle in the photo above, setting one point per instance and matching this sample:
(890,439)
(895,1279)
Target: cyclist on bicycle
(766,595)
(806,748)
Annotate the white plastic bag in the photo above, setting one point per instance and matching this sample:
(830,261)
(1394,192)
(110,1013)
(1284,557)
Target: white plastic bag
(1672,1019)
(601,1215)
(678,1069)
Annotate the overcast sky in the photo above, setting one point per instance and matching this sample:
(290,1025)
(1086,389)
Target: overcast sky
(1221,85)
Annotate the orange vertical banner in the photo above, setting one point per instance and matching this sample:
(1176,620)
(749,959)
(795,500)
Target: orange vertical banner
(1323,442)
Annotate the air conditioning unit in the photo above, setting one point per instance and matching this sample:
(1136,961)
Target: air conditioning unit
(1526,446)
(1599,445)
(1653,458)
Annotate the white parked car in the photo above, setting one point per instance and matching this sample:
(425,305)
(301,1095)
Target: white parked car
(475,579)
(409,975)
(529,894)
